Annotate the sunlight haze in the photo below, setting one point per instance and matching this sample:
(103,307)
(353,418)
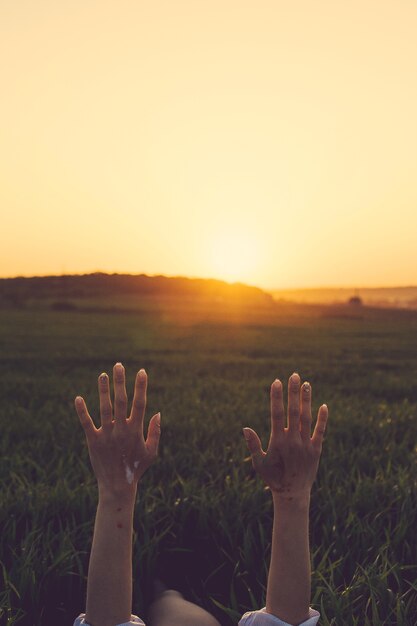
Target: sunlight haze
(268,142)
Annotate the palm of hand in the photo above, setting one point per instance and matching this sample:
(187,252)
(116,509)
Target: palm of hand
(118,457)
(118,451)
(290,464)
(289,467)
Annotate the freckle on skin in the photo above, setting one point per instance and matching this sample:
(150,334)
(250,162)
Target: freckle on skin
(119,509)
(119,525)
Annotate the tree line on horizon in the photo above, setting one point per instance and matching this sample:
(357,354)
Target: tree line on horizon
(102,284)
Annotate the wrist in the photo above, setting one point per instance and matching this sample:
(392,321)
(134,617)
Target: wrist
(106,495)
(295,503)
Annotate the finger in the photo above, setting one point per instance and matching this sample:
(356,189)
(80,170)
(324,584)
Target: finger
(85,418)
(154,434)
(320,428)
(120,395)
(105,401)
(294,403)
(254,445)
(139,399)
(305,415)
(277,409)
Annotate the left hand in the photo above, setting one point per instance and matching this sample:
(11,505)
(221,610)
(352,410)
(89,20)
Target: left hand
(118,451)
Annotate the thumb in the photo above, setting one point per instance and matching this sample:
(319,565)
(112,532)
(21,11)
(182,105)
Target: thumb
(154,433)
(254,445)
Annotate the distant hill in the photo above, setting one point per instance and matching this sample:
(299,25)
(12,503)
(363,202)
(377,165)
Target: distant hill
(99,285)
(392,297)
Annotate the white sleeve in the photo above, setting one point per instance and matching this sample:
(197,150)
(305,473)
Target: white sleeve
(262,618)
(134,621)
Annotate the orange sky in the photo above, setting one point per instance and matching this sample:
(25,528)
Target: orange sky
(269,142)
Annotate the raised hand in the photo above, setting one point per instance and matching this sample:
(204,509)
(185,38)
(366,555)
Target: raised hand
(118,451)
(290,464)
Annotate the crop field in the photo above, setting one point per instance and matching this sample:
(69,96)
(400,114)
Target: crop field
(203,519)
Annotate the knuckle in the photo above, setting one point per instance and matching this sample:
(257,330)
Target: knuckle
(139,405)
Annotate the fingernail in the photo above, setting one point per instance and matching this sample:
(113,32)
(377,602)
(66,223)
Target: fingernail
(78,399)
(246,433)
(307,387)
(142,373)
(277,383)
(158,419)
(103,377)
(118,366)
(295,378)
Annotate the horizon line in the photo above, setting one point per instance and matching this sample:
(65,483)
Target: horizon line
(268,289)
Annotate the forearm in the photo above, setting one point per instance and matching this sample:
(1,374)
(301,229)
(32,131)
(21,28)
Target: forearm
(289,579)
(109,585)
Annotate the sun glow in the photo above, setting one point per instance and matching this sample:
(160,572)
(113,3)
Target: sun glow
(233,257)
(267,158)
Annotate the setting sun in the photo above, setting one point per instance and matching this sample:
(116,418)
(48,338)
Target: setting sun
(250,142)
(233,257)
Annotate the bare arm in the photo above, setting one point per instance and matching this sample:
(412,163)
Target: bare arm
(109,583)
(119,456)
(289,468)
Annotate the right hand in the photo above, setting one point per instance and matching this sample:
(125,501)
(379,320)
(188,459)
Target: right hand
(290,464)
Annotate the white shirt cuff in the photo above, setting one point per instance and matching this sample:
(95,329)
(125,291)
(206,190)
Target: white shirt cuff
(134,621)
(262,618)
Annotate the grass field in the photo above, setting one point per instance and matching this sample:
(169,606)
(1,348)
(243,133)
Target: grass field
(203,519)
